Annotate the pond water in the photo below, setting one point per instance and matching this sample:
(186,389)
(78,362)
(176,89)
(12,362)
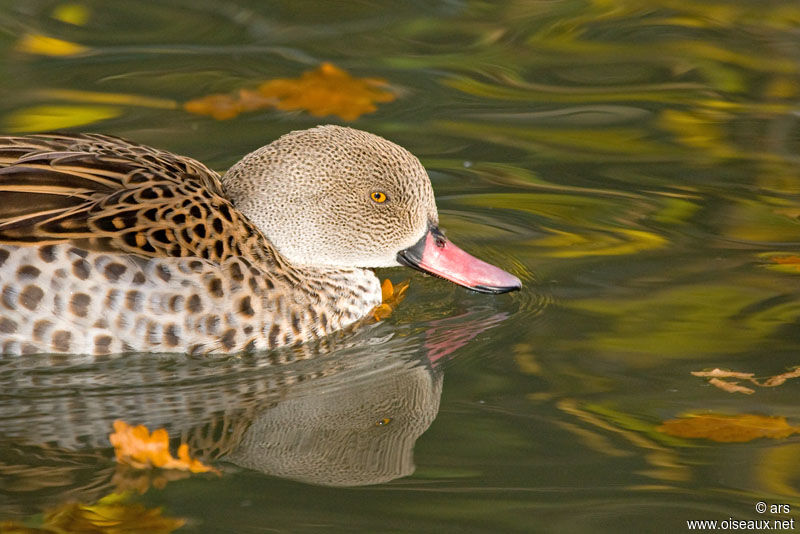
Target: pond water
(634,162)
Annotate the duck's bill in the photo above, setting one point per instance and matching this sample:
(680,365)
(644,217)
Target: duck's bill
(435,254)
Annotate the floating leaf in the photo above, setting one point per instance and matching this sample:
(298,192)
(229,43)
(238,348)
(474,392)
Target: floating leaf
(42,45)
(391,296)
(716,378)
(326,90)
(135,446)
(731,387)
(329,90)
(45,118)
(729,428)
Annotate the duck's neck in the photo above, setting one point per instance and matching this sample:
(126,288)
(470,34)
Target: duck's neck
(348,293)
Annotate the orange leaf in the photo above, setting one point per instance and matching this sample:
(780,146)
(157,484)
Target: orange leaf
(387,290)
(135,446)
(391,296)
(326,90)
(728,428)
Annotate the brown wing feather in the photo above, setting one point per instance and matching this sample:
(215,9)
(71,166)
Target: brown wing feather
(106,193)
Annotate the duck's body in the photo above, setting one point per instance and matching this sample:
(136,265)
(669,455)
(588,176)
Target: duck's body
(107,246)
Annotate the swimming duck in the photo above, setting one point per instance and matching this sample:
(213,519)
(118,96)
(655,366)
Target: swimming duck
(108,246)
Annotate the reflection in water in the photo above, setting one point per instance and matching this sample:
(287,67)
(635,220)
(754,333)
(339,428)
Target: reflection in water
(345,434)
(344,414)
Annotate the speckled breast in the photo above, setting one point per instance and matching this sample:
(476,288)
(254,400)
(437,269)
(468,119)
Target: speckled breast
(63,299)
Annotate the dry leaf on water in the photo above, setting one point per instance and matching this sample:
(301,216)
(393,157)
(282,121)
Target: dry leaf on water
(731,387)
(729,380)
(135,446)
(326,90)
(728,428)
(391,296)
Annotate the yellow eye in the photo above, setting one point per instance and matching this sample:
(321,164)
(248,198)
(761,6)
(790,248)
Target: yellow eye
(378,197)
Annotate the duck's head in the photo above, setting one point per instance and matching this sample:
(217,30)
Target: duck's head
(339,197)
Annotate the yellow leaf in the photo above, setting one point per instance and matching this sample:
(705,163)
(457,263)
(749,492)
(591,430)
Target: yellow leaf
(42,45)
(728,428)
(44,118)
(326,90)
(136,447)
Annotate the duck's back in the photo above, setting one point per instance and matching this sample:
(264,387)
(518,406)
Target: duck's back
(108,246)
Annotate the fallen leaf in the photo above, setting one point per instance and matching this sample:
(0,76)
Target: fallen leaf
(326,90)
(391,296)
(716,377)
(731,387)
(720,373)
(777,380)
(728,428)
(329,90)
(136,447)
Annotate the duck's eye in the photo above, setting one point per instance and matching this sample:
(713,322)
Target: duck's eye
(378,197)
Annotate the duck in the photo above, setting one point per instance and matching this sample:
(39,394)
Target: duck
(108,246)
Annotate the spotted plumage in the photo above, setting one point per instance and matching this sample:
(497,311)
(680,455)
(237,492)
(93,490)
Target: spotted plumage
(109,246)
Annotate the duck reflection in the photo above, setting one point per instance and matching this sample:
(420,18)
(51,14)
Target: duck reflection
(345,413)
(345,433)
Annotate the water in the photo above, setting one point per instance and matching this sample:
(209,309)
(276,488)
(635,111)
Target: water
(635,163)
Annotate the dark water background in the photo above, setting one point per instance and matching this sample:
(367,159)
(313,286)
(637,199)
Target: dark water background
(634,162)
